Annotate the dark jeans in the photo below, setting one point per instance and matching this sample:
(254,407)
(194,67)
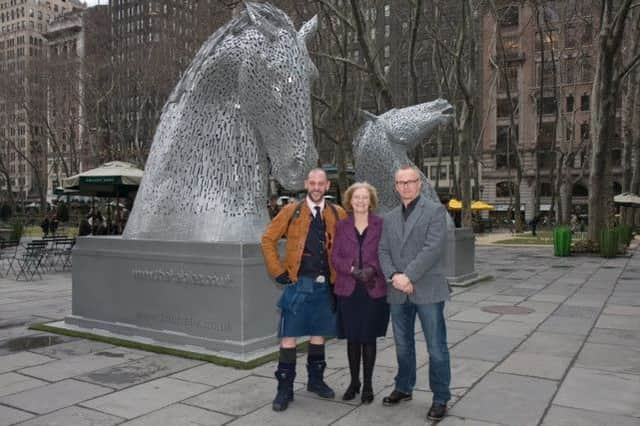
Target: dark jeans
(403,317)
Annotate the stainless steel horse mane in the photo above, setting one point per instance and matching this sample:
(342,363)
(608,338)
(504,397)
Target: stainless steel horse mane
(241,110)
(382,143)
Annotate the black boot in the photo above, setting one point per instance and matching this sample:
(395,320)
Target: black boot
(316,382)
(285,374)
(353,354)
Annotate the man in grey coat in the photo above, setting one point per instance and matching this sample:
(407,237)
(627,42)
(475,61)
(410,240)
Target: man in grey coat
(411,250)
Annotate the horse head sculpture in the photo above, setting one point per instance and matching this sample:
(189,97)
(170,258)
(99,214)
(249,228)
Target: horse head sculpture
(241,110)
(382,144)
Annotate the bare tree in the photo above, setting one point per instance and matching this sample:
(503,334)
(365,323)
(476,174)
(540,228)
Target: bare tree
(606,87)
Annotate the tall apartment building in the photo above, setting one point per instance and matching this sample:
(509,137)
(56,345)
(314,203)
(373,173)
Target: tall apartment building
(154,41)
(77,58)
(23,150)
(548,59)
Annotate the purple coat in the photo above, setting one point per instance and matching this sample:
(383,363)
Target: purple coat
(345,254)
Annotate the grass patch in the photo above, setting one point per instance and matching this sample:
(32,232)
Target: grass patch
(225,362)
(36,232)
(542,238)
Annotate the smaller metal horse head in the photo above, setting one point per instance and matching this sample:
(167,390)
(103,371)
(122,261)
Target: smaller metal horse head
(382,143)
(245,100)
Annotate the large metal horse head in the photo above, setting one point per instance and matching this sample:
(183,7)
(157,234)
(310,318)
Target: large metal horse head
(382,143)
(243,102)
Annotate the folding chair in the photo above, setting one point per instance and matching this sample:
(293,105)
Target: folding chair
(30,260)
(65,255)
(8,253)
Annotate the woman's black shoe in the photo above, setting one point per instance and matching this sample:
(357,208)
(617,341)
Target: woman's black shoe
(352,390)
(367,395)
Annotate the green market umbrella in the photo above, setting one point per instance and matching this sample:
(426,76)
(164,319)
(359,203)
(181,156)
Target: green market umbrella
(113,179)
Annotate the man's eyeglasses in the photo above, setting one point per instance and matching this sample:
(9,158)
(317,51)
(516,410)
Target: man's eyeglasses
(405,183)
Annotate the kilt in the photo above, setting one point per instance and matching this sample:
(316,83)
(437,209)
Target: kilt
(305,310)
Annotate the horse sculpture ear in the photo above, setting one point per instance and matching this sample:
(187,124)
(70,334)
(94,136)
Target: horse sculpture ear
(367,116)
(308,30)
(264,26)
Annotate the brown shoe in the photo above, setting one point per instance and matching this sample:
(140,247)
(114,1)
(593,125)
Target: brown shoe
(396,397)
(437,412)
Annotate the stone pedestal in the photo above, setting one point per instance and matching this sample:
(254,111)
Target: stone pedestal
(215,296)
(460,258)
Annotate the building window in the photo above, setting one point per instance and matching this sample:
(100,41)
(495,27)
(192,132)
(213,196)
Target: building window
(506,143)
(387,10)
(579,190)
(505,189)
(616,157)
(508,17)
(387,30)
(545,189)
(570,36)
(585,131)
(505,106)
(584,102)
(569,103)
(546,73)
(549,41)
(547,106)
(511,77)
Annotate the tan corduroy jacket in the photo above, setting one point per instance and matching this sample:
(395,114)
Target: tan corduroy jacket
(295,230)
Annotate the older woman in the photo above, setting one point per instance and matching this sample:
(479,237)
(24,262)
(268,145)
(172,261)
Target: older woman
(363,313)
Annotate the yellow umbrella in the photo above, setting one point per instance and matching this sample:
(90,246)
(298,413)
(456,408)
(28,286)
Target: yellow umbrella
(481,205)
(455,204)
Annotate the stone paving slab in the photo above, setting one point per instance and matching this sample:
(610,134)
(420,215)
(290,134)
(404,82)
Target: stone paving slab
(464,374)
(505,327)
(75,366)
(600,391)
(506,399)
(180,415)
(10,416)
(137,371)
(485,347)
(141,399)
(75,348)
(610,336)
(600,357)
(20,360)
(474,315)
(74,416)
(407,413)
(566,325)
(238,398)
(622,322)
(564,416)
(214,375)
(54,396)
(622,310)
(14,382)
(535,365)
(302,411)
(561,345)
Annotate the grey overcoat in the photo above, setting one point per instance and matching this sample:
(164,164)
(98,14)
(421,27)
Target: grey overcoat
(416,248)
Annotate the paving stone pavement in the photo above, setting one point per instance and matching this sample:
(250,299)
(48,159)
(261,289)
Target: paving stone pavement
(574,360)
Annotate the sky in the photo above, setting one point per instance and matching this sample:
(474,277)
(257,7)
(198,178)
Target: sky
(94,2)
